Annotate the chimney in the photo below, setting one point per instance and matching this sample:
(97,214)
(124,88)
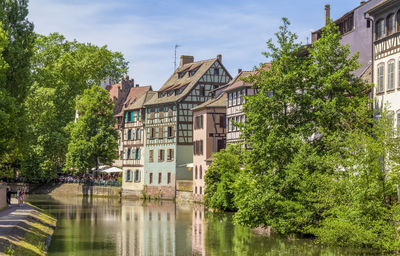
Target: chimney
(186,59)
(327,13)
(239,70)
(219,58)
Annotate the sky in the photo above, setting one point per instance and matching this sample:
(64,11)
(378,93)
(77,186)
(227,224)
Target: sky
(146,31)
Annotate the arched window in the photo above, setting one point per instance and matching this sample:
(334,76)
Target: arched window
(391,24)
(195,190)
(195,172)
(201,190)
(380,29)
(201,173)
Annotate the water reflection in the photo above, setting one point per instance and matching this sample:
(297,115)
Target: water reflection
(98,226)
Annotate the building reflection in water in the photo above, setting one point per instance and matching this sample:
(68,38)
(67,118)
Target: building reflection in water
(148,228)
(198,230)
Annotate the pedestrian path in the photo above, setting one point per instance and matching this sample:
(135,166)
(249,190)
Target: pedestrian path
(24,230)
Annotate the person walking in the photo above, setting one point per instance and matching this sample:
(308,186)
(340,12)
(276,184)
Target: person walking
(22,196)
(8,196)
(19,196)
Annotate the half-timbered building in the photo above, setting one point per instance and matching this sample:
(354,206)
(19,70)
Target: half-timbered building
(169,134)
(132,138)
(386,57)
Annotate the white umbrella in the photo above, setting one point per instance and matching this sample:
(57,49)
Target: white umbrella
(112,170)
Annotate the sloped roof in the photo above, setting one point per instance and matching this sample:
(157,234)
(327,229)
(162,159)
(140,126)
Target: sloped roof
(238,83)
(135,93)
(139,103)
(174,82)
(220,101)
(380,5)
(135,97)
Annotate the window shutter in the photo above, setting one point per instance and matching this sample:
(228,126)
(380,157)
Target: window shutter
(131,176)
(139,174)
(126,117)
(126,135)
(137,115)
(132,153)
(138,153)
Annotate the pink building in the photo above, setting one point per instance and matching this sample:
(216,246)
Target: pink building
(209,136)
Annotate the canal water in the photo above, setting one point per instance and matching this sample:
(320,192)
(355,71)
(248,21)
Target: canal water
(98,226)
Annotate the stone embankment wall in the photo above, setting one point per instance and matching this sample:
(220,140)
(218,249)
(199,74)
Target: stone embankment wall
(74,189)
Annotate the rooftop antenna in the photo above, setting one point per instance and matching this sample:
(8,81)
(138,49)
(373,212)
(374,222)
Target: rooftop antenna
(176,47)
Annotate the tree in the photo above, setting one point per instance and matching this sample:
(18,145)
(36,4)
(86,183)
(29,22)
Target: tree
(220,178)
(93,137)
(307,104)
(62,70)
(17,77)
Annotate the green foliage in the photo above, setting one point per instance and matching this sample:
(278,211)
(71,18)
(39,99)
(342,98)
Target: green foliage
(15,79)
(319,164)
(62,70)
(220,177)
(93,137)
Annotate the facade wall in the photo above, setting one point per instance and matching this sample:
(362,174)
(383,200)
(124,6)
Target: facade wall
(133,152)
(234,113)
(211,132)
(387,67)
(359,39)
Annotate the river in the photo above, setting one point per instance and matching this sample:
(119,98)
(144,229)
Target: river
(99,226)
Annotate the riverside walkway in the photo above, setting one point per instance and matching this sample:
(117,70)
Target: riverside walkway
(24,230)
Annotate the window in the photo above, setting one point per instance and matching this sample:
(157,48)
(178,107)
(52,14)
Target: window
(137,154)
(159,178)
(138,134)
(160,132)
(170,154)
(195,190)
(170,132)
(229,99)
(170,112)
(201,190)
(380,29)
(398,21)
(128,176)
(161,155)
(216,71)
(181,74)
(151,156)
(398,123)
(137,176)
(202,90)
(201,172)
(169,178)
(195,172)
(381,78)
(151,178)
(129,134)
(391,24)
(128,154)
(152,133)
(222,121)
(390,82)
(234,98)
(220,145)
(127,117)
(198,147)
(198,122)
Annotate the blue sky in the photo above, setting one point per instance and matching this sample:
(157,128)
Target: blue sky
(146,31)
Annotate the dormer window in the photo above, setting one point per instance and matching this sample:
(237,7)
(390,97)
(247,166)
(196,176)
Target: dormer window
(391,24)
(380,29)
(191,73)
(170,93)
(181,74)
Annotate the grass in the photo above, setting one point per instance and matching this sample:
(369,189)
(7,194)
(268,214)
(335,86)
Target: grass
(37,228)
